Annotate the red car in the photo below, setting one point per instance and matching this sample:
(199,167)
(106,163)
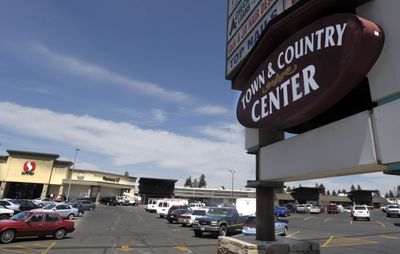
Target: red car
(34,224)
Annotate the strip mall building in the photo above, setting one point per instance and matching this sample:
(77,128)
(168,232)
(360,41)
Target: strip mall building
(32,175)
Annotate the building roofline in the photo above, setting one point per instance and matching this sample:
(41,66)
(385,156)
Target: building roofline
(158,179)
(102,172)
(17,153)
(63,163)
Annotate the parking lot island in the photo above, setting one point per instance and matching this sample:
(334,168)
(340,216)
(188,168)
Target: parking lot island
(249,245)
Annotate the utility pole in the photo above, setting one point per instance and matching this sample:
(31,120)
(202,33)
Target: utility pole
(72,171)
(233,173)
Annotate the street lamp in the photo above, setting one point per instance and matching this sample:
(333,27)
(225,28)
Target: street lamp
(72,171)
(232,172)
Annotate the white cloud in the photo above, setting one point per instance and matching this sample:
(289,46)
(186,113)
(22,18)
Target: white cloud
(126,144)
(92,71)
(158,115)
(224,131)
(210,110)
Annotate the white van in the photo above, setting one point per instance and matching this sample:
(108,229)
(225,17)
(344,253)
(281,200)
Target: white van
(153,204)
(164,206)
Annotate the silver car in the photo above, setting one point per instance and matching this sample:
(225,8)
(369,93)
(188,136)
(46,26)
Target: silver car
(64,210)
(10,205)
(42,201)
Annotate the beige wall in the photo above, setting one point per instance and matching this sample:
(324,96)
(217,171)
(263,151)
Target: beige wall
(12,171)
(2,170)
(59,173)
(104,192)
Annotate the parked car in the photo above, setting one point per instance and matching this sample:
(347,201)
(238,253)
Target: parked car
(393,210)
(10,205)
(109,201)
(301,209)
(360,212)
(24,205)
(173,216)
(164,207)
(195,206)
(249,227)
(34,224)
(80,208)
(87,204)
(219,220)
(59,198)
(64,210)
(332,208)
(188,218)
(40,202)
(291,207)
(5,213)
(315,209)
(281,211)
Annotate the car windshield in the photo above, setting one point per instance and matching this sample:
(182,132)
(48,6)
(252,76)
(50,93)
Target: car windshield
(49,206)
(218,211)
(360,208)
(21,216)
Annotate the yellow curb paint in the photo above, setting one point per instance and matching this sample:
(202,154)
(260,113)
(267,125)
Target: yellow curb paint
(181,248)
(328,219)
(327,241)
(292,234)
(380,223)
(124,248)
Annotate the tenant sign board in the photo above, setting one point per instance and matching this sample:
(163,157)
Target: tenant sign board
(246,21)
(309,72)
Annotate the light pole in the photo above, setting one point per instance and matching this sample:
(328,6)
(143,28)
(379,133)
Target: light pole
(72,171)
(233,173)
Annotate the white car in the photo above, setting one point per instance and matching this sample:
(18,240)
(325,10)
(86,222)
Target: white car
(5,213)
(42,201)
(187,219)
(392,210)
(64,210)
(315,209)
(360,212)
(10,205)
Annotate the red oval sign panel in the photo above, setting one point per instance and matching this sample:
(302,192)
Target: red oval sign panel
(29,166)
(310,71)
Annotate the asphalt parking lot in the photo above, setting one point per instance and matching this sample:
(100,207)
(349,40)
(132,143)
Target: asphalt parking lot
(340,234)
(132,230)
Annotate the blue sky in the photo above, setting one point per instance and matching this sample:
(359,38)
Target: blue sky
(138,86)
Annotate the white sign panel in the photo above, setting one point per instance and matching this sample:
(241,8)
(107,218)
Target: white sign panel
(244,40)
(231,5)
(240,14)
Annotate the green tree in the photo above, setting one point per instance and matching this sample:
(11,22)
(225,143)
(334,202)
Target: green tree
(328,193)
(195,183)
(333,193)
(322,188)
(386,195)
(288,189)
(344,191)
(126,173)
(391,195)
(398,191)
(358,187)
(188,182)
(202,181)
(352,188)
(339,191)
(279,190)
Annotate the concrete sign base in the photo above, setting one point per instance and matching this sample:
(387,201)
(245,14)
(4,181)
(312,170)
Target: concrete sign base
(249,245)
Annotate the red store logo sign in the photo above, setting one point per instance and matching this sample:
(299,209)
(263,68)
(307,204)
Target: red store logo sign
(29,168)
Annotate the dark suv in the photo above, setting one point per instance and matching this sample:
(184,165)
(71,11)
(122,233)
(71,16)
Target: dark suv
(109,201)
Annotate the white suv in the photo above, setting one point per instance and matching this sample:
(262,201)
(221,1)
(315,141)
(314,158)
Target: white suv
(360,212)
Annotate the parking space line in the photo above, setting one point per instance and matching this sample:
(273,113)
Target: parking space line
(49,248)
(17,251)
(182,248)
(390,237)
(345,241)
(328,219)
(308,218)
(124,248)
(380,223)
(351,222)
(292,234)
(327,241)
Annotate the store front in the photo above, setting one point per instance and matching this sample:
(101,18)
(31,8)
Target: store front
(30,175)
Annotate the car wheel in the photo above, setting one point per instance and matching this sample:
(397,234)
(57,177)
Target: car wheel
(369,219)
(222,231)
(170,221)
(80,214)
(7,236)
(388,215)
(4,217)
(198,233)
(90,208)
(70,216)
(59,234)
(354,218)
(285,232)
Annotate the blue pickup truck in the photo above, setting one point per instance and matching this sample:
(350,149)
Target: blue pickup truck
(219,221)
